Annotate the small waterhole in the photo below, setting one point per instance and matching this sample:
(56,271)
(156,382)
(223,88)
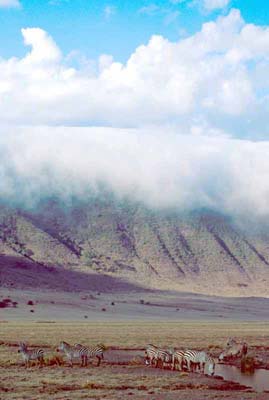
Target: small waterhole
(259,380)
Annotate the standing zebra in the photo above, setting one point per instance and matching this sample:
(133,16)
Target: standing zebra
(178,358)
(90,352)
(196,359)
(28,355)
(151,353)
(70,351)
(164,357)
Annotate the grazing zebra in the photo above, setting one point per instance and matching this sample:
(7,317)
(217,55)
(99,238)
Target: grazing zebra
(151,352)
(178,358)
(90,352)
(70,351)
(196,359)
(28,355)
(164,357)
(155,356)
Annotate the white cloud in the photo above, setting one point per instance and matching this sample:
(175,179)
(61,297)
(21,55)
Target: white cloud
(211,75)
(151,9)
(10,4)
(109,11)
(215,4)
(162,169)
(187,102)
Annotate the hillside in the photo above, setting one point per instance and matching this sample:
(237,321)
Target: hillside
(199,251)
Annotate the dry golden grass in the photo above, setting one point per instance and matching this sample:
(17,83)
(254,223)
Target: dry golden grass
(134,335)
(111,380)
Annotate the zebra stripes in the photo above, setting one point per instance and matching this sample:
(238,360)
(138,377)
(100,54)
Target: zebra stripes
(178,358)
(151,354)
(162,357)
(198,359)
(82,352)
(70,352)
(29,355)
(156,356)
(191,359)
(90,352)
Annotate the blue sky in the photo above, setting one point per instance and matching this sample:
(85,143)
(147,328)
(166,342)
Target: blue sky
(114,27)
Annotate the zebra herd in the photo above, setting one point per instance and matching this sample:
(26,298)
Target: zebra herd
(76,351)
(192,360)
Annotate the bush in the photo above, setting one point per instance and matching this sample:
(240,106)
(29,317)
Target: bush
(30,303)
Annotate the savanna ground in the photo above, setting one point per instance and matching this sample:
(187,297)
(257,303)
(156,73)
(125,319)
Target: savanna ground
(122,375)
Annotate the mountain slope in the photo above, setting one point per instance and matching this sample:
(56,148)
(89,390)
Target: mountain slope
(199,251)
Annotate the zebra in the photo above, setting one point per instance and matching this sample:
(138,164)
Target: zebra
(151,352)
(196,359)
(28,355)
(230,342)
(90,352)
(164,357)
(70,351)
(178,358)
(234,350)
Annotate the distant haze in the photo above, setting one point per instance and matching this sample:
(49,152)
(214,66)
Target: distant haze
(180,125)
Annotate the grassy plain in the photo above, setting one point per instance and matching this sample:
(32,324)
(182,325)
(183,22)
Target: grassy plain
(120,376)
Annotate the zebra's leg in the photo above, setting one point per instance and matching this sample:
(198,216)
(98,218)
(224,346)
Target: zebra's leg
(98,360)
(41,361)
(188,365)
(70,362)
(173,363)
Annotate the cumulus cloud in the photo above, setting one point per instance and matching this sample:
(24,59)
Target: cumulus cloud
(10,4)
(179,122)
(211,76)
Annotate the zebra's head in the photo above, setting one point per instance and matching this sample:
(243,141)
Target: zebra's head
(147,361)
(230,342)
(62,346)
(22,347)
(78,345)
